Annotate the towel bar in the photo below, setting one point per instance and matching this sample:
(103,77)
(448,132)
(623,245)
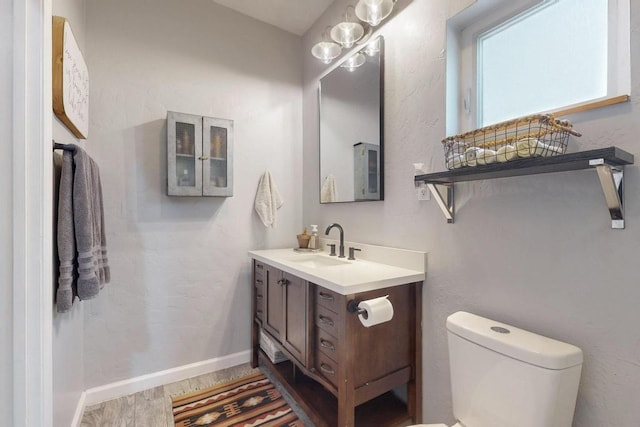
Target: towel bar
(67,147)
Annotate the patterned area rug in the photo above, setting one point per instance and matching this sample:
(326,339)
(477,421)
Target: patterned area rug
(249,401)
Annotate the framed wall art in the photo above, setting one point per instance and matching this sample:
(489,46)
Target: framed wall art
(70,80)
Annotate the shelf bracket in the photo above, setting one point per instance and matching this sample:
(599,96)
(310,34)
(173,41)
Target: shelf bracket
(612,182)
(444,199)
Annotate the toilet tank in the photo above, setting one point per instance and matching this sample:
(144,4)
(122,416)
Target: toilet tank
(502,376)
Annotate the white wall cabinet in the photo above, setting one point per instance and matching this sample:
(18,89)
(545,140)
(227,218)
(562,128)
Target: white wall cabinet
(199,155)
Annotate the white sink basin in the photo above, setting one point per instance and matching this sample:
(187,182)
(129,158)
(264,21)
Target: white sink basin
(317,261)
(347,277)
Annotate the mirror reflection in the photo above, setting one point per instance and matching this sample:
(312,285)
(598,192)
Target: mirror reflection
(351,128)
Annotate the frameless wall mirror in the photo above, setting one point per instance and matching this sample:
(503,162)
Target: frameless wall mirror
(351,128)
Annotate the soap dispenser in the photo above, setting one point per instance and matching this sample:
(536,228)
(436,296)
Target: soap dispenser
(313,240)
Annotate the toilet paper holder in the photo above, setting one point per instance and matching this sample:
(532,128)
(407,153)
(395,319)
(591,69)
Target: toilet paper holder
(352,307)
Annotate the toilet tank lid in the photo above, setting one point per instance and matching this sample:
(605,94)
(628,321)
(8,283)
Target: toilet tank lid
(514,342)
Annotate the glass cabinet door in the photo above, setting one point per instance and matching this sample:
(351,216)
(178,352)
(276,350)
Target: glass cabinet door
(217,165)
(184,150)
(366,165)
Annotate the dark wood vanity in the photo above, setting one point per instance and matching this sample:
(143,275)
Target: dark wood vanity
(339,371)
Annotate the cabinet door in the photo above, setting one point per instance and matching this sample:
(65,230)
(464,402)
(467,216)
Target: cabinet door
(184,147)
(217,157)
(274,316)
(296,313)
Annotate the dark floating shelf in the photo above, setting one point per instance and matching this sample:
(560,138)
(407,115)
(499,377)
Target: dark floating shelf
(609,163)
(531,166)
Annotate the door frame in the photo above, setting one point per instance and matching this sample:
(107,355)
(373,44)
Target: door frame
(32,214)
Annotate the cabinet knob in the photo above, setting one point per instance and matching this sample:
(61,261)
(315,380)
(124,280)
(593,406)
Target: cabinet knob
(325,320)
(327,344)
(203,158)
(327,369)
(325,296)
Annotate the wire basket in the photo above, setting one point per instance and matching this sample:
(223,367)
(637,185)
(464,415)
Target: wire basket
(538,135)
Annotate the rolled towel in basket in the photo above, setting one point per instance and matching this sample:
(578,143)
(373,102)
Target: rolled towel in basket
(455,161)
(470,156)
(552,150)
(530,147)
(506,153)
(485,156)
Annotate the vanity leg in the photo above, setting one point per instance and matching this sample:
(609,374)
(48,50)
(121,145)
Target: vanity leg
(255,344)
(414,386)
(346,410)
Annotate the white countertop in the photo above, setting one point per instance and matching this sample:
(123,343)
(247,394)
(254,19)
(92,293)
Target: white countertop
(339,275)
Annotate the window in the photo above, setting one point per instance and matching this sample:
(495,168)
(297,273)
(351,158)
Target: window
(520,57)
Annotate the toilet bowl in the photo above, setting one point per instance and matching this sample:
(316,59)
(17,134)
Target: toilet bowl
(489,362)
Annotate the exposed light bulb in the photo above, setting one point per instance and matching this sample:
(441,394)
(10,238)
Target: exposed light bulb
(373,11)
(372,47)
(347,33)
(326,51)
(354,62)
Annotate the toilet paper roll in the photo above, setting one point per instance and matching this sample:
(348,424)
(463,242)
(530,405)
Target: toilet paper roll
(376,311)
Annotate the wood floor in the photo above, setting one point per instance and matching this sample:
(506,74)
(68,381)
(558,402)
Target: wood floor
(152,408)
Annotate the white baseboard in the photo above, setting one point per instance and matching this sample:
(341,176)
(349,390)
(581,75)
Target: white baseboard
(122,388)
(77,416)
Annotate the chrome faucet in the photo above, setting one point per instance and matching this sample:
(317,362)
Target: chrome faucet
(339,227)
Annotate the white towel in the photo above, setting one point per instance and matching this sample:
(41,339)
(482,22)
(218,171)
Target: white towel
(268,200)
(530,147)
(329,191)
(506,153)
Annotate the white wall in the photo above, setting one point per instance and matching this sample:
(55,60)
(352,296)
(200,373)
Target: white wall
(6,213)
(537,251)
(68,328)
(180,275)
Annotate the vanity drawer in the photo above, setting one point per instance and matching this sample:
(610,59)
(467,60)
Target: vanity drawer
(327,344)
(327,368)
(328,299)
(327,320)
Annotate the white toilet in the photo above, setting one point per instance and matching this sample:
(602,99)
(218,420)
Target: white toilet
(502,376)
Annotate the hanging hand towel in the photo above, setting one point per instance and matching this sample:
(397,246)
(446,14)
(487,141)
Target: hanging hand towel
(268,200)
(67,277)
(88,217)
(82,250)
(329,191)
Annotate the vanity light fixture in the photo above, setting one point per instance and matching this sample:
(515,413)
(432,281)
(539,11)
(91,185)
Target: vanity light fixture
(354,61)
(374,11)
(326,50)
(347,32)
